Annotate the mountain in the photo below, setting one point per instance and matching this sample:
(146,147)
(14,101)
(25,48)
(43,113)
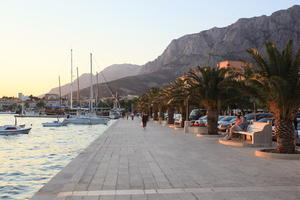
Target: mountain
(210,47)
(110,73)
(229,43)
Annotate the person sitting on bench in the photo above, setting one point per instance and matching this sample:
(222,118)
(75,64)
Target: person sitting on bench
(240,125)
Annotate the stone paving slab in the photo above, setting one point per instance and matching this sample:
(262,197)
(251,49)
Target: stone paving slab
(127,162)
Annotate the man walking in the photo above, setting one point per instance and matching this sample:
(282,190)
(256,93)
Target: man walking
(144,120)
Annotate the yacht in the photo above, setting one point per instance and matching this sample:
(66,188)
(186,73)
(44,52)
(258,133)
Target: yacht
(90,118)
(56,123)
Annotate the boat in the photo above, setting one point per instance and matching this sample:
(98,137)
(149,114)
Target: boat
(7,112)
(13,129)
(56,123)
(91,118)
(88,120)
(114,114)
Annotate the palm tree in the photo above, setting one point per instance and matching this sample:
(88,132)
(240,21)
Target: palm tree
(212,87)
(153,96)
(161,100)
(142,104)
(177,96)
(166,94)
(277,82)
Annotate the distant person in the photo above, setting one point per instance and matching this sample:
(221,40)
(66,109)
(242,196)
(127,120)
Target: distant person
(132,116)
(145,120)
(295,121)
(127,115)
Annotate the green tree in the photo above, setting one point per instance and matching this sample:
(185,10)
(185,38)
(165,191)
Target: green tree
(105,103)
(31,97)
(26,105)
(277,82)
(40,104)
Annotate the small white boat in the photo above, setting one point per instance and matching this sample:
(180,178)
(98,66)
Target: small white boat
(13,129)
(7,112)
(56,123)
(114,114)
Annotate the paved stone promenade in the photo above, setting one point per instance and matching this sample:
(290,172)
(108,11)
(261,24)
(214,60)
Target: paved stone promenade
(127,162)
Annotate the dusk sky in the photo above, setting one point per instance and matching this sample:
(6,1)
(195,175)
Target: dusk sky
(37,35)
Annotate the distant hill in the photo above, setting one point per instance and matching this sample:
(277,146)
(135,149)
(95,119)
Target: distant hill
(132,84)
(110,73)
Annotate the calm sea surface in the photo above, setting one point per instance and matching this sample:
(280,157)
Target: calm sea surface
(27,162)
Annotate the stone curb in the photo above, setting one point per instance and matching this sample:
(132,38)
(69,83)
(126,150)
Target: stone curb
(263,154)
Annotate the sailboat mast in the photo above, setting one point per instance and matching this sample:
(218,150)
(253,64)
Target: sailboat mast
(78,96)
(98,89)
(91,82)
(59,90)
(71,98)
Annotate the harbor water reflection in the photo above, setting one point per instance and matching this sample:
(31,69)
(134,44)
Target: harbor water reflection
(29,161)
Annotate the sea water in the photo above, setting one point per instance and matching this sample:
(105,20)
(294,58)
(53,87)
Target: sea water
(27,162)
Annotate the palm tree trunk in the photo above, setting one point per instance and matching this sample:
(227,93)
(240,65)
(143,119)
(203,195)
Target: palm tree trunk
(170,115)
(159,113)
(150,111)
(212,121)
(155,113)
(285,136)
(163,110)
(183,115)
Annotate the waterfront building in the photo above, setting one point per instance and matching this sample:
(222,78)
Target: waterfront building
(8,103)
(238,65)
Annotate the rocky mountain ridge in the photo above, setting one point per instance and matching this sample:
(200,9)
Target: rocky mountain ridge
(209,47)
(228,43)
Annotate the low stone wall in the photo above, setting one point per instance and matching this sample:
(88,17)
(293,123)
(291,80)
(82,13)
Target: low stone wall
(164,123)
(197,130)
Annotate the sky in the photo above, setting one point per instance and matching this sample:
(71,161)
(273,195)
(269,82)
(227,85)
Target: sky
(36,35)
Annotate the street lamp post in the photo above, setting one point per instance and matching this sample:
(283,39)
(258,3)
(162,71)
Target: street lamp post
(187,122)
(254,100)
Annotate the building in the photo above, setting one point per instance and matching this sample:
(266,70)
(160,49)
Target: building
(51,97)
(53,100)
(239,65)
(8,104)
(22,97)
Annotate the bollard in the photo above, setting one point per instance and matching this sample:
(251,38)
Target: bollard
(187,124)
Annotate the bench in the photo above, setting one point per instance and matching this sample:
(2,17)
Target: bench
(259,133)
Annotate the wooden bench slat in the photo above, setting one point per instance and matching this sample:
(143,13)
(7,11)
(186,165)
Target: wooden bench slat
(244,132)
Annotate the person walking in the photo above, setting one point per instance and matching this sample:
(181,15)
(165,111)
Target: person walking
(145,120)
(295,121)
(132,116)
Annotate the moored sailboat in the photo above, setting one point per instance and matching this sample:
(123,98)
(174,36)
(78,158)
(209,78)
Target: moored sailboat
(91,117)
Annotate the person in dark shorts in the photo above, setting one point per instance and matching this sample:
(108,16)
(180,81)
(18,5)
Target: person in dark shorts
(144,120)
